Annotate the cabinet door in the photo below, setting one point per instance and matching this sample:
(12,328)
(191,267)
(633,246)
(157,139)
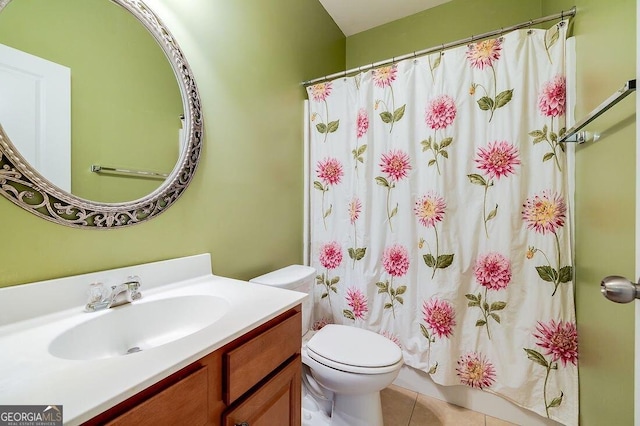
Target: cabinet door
(276,403)
(184,402)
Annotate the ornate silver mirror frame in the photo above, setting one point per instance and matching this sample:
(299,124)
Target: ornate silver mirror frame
(24,186)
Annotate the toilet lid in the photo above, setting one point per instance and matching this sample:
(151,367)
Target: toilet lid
(353,346)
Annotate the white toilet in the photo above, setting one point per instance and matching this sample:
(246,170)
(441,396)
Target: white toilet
(344,367)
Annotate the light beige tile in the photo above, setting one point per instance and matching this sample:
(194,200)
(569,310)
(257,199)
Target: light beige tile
(433,412)
(397,405)
(492,421)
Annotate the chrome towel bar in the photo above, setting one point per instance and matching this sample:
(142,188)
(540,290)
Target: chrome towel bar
(574,135)
(96,168)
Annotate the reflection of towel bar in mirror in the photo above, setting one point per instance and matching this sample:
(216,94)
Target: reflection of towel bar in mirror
(574,135)
(96,168)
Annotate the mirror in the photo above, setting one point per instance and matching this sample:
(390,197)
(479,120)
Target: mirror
(124,98)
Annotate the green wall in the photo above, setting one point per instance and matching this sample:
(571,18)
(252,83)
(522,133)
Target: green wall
(125,103)
(450,21)
(605,171)
(244,205)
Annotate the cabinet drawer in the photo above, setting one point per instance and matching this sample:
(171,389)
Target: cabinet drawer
(184,402)
(276,402)
(252,361)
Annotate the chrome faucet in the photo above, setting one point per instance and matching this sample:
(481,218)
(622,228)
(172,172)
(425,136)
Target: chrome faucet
(120,294)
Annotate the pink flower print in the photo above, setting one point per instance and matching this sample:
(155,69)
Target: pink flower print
(498,159)
(439,316)
(560,339)
(440,112)
(391,337)
(545,212)
(330,173)
(384,76)
(430,209)
(395,164)
(396,260)
(358,304)
(355,208)
(476,371)
(330,258)
(484,53)
(331,255)
(493,271)
(356,253)
(362,123)
(317,325)
(319,93)
(552,100)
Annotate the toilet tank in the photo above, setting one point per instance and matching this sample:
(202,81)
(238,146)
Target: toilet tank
(294,277)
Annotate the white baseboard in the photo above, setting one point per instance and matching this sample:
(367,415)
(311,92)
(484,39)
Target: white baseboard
(472,399)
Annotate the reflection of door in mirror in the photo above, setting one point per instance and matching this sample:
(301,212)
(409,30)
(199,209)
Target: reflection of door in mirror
(35,112)
(125,101)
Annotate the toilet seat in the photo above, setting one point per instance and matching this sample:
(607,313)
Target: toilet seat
(354,350)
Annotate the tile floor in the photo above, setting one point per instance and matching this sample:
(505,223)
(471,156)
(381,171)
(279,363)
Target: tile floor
(402,407)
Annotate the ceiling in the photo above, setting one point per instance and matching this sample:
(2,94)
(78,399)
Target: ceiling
(354,16)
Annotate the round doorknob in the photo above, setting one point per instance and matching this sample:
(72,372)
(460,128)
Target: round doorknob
(619,289)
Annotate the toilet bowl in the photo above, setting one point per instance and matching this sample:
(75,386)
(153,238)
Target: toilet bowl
(344,367)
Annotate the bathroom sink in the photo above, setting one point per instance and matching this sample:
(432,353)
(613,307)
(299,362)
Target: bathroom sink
(137,327)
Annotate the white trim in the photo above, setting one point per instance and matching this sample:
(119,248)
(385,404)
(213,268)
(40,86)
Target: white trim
(636,394)
(306,225)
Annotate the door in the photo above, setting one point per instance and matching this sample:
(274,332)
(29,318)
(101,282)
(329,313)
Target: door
(35,112)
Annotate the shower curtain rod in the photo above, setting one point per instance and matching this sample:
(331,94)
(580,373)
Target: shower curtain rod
(561,15)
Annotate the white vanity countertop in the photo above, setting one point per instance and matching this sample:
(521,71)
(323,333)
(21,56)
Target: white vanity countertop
(30,375)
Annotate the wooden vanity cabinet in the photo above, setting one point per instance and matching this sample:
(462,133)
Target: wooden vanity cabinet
(254,380)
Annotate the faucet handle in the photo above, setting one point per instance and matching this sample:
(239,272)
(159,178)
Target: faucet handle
(96,292)
(133,282)
(97,297)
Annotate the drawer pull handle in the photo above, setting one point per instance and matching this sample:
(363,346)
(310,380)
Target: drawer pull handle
(242,424)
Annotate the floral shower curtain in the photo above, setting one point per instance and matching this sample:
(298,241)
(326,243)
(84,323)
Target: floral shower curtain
(439,215)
